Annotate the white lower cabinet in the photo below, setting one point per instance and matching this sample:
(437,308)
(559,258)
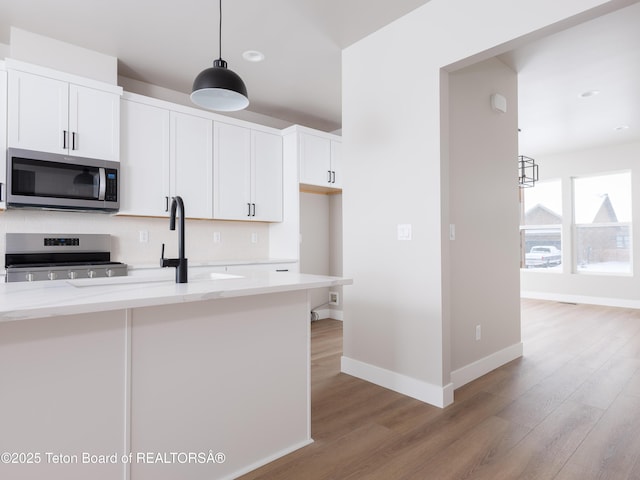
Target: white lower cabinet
(247,174)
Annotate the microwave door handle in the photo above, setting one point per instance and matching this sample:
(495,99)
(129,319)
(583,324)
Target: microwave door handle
(103,183)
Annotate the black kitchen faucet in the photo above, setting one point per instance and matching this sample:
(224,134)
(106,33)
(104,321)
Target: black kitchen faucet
(179,263)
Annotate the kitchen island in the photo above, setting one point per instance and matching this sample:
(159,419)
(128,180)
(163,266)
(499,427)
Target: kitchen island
(142,378)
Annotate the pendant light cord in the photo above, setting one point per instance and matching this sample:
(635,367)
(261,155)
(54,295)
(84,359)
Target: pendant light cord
(220,31)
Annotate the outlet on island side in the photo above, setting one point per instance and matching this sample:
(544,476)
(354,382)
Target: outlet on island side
(334,298)
(478,332)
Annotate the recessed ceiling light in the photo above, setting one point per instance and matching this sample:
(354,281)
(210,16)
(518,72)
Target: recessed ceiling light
(589,93)
(622,127)
(253,56)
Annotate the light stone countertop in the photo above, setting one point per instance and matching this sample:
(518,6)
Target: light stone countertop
(24,300)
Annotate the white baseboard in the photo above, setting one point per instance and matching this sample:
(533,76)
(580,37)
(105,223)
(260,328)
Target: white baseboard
(268,459)
(585,299)
(418,389)
(481,367)
(329,313)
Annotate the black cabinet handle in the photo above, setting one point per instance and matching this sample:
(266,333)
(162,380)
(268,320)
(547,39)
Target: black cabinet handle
(329,172)
(65,136)
(166,204)
(73,141)
(333,176)
(248,209)
(254,209)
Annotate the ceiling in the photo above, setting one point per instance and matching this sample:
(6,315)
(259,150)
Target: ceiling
(600,55)
(167,43)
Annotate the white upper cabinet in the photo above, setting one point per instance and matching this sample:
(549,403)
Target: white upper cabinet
(53,115)
(247,174)
(144,170)
(336,164)
(319,161)
(232,172)
(192,163)
(94,123)
(266,176)
(164,154)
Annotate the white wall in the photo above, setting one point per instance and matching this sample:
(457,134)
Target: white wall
(33,48)
(615,290)
(149,90)
(397,321)
(483,206)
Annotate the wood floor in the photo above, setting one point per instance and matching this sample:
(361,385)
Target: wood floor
(568,410)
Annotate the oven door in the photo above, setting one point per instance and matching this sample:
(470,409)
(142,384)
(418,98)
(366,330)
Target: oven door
(47,180)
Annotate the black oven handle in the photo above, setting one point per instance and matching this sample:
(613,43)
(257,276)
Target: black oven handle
(103,183)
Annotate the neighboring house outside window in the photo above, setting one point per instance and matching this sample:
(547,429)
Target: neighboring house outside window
(541,226)
(602,223)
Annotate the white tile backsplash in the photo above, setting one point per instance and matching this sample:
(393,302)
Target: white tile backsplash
(235,237)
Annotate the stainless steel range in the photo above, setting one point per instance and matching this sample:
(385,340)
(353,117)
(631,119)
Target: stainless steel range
(31,257)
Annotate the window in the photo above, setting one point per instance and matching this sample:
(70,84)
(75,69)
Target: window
(541,226)
(602,218)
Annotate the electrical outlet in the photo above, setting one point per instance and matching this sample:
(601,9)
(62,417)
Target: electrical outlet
(143,235)
(217,238)
(334,298)
(478,332)
(254,238)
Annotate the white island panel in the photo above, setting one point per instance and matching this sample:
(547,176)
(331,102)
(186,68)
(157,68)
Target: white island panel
(62,395)
(232,376)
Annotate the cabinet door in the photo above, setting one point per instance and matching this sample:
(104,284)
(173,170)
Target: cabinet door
(144,174)
(192,163)
(266,176)
(232,172)
(94,123)
(38,113)
(336,164)
(315,155)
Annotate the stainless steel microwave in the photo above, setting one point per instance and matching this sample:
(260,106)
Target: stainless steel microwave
(61,182)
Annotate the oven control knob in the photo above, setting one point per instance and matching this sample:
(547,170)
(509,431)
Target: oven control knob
(52,275)
(91,273)
(109,272)
(30,277)
(72,275)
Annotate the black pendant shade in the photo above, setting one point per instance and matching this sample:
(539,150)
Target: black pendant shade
(217,87)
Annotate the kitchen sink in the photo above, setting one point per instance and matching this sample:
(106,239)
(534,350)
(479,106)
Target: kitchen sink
(155,279)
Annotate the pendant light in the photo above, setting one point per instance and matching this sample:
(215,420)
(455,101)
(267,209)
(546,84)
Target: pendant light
(217,87)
